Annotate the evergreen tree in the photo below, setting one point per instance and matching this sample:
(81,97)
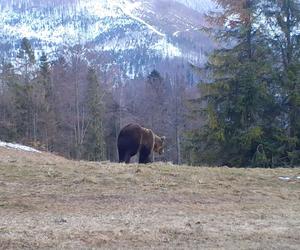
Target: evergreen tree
(26,58)
(24,111)
(156,95)
(8,79)
(46,100)
(238,103)
(62,94)
(283,19)
(157,101)
(95,143)
(26,123)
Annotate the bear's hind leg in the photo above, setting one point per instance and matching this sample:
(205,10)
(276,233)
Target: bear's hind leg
(124,156)
(127,158)
(121,156)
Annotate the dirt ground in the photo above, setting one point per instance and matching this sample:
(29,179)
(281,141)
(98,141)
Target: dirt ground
(49,202)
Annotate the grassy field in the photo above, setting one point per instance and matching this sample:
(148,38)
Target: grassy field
(50,202)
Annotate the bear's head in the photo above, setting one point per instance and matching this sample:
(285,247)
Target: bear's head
(159,144)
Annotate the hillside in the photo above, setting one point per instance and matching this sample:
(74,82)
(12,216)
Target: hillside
(49,202)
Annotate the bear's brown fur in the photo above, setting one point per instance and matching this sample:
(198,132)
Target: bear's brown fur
(134,139)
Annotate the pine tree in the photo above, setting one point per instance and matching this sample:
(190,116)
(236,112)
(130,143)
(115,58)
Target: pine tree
(236,99)
(46,111)
(156,103)
(62,105)
(95,143)
(156,95)
(283,19)
(26,123)
(26,58)
(8,79)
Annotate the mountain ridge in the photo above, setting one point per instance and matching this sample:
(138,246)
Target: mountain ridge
(159,29)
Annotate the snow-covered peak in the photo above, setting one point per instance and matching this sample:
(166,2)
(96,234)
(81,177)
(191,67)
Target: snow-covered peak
(138,30)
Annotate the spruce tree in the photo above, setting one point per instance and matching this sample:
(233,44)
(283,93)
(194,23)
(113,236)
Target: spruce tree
(8,79)
(26,58)
(26,123)
(235,101)
(47,117)
(95,143)
(283,19)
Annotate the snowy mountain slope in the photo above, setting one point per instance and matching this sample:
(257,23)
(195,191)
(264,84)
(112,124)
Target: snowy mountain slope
(149,28)
(199,5)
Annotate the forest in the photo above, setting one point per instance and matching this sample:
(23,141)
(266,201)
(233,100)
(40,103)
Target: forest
(245,112)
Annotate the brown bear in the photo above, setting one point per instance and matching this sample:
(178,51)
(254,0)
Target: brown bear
(134,139)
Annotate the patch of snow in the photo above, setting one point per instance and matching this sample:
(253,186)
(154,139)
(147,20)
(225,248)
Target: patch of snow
(18,147)
(169,49)
(103,8)
(284,178)
(201,6)
(128,9)
(176,33)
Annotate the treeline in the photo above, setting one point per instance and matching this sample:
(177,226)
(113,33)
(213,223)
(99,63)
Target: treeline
(55,105)
(76,109)
(251,101)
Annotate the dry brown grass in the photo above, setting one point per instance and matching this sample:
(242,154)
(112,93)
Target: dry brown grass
(49,202)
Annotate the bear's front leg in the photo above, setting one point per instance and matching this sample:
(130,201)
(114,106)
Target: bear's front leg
(144,156)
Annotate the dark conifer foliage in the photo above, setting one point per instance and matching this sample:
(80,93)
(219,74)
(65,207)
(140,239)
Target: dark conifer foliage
(251,105)
(95,142)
